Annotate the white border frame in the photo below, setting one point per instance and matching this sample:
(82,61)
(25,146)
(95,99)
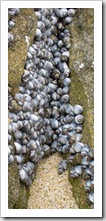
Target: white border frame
(97,211)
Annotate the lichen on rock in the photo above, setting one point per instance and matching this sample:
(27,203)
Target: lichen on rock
(25,25)
(82,87)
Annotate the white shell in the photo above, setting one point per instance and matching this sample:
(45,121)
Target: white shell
(79,119)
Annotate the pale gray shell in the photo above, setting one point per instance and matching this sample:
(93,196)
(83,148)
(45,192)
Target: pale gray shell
(78,128)
(70,159)
(67,82)
(65,149)
(10,159)
(52,87)
(85,161)
(46,149)
(23,175)
(65,98)
(26,106)
(67,20)
(66,90)
(54,123)
(67,42)
(62,166)
(79,119)
(11,23)
(19,158)
(71,12)
(48,66)
(78,109)
(78,169)
(55,112)
(17,135)
(38,33)
(85,150)
(62,139)
(91,197)
(77,147)
(78,137)
(88,171)
(61,13)
(13,11)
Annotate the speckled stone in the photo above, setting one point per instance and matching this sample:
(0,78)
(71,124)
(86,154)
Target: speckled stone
(50,190)
(25,25)
(81,65)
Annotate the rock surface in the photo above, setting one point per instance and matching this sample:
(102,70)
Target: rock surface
(81,92)
(81,65)
(17,192)
(25,25)
(82,87)
(50,190)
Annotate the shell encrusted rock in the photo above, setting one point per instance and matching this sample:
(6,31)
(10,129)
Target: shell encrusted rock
(46,121)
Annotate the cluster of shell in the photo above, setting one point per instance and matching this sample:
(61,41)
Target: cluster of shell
(11,23)
(47,122)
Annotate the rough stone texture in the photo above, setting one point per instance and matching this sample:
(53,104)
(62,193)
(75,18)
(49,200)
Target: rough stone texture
(81,65)
(13,186)
(25,25)
(17,192)
(82,87)
(50,190)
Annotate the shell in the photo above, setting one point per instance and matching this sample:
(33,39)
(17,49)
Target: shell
(54,20)
(17,135)
(65,149)
(46,149)
(77,147)
(65,98)
(71,12)
(89,172)
(78,128)
(67,82)
(52,87)
(67,42)
(9,137)
(66,90)
(78,137)
(26,107)
(61,13)
(85,150)
(67,20)
(55,112)
(62,139)
(54,123)
(19,158)
(85,161)
(79,119)
(91,197)
(65,56)
(13,11)
(78,169)
(38,33)
(10,159)
(11,23)
(55,96)
(68,119)
(70,159)
(23,175)
(10,39)
(78,109)
(63,165)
